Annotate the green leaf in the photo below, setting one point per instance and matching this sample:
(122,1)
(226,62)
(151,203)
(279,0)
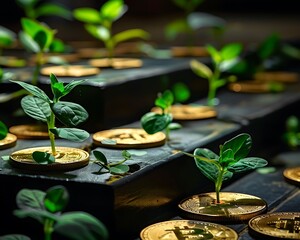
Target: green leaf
(268,47)
(41,39)
(228,64)
(99,32)
(57,46)
(39,215)
(87,15)
(214,53)
(174,126)
(3,130)
(72,134)
(56,199)
(29,43)
(70,86)
(43,157)
(137,152)
(70,114)
(7,37)
(176,27)
(230,51)
(108,141)
(111,10)
(130,34)
(30,199)
(227,158)
(56,87)
(247,164)
(165,99)
(14,237)
(240,145)
(119,169)
(198,20)
(36,108)
(48,9)
(153,122)
(100,156)
(201,69)
(126,154)
(34,90)
(181,92)
(80,225)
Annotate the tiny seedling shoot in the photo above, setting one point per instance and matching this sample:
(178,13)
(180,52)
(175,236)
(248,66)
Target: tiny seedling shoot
(47,208)
(155,122)
(99,24)
(3,130)
(222,61)
(40,107)
(232,159)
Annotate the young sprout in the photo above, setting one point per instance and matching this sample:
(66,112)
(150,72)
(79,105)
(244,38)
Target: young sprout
(40,107)
(34,9)
(3,130)
(47,208)
(99,24)
(222,61)
(292,134)
(192,21)
(155,122)
(231,159)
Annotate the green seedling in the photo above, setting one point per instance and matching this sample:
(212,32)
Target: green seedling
(3,130)
(155,122)
(271,53)
(35,9)
(117,168)
(231,159)
(193,21)
(40,107)
(47,208)
(292,134)
(7,38)
(99,24)
(222,61)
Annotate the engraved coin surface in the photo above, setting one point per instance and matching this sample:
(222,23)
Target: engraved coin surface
(9,141)
(66,158)
(128,138)
(70,70)
(292,175)
(233,207)
(117,63)
(30,131)
(187,229)
(281,225)
(189,112)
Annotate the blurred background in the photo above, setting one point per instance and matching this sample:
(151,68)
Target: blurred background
(247,21)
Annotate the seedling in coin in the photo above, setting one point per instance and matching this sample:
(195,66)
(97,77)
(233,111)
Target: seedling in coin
(3,130)
(222,61)
(99,24)
(40,107)
(155,122)
(232,159)
(47,208)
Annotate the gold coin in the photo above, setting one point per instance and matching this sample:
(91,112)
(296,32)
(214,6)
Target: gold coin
(187,229)
(277,76)
(30,131)
(70,71)
(292,175)
(189,112)
(181,51)
(66,158)
(249,87)
(233,207)
(281,225)
(129,138)
(9,141)
(117,63)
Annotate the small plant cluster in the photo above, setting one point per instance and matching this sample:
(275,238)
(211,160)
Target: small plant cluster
(40,107)
(99,24)
(3,130)
(292,132)
(222,60)
(231,159)
(47,208)
(153,122)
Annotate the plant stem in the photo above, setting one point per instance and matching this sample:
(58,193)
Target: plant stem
(51,124)
(48,229)
(36,73)
(218,184)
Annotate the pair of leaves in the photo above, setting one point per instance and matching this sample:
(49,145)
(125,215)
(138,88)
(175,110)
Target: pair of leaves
(41,206)
(156,122)
(3,130)
(232,158)
(45,9)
